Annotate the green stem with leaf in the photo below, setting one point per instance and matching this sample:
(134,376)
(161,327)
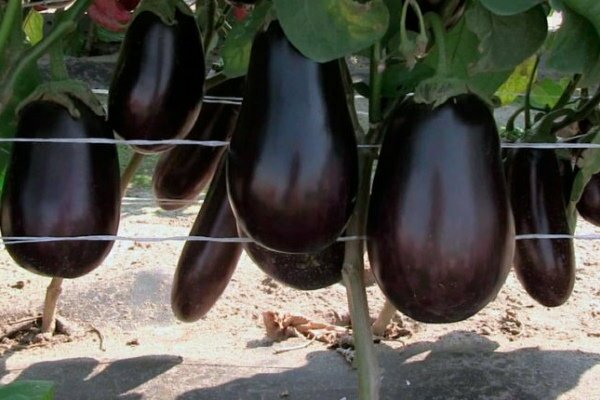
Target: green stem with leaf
(528,93)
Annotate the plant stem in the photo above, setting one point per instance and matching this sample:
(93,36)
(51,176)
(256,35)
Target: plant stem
(437,27)
(528,93)
(369,375)
(211,22)
(376,83)
(510,123)
(580,114)
(383,319)
(10,17)
(568,92)
(134,163)
(49,314)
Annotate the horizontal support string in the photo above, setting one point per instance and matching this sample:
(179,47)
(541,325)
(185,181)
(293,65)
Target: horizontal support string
(41,239)
(111,238)
(220,143)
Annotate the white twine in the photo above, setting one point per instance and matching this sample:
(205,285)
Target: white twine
(155,239)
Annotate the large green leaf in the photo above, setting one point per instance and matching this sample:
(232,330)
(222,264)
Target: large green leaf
(575,47)
(509,7)
(506,41)
(589,9)
(462,48)
(238,45)
(27,390)
(547,92)
(33,26)
(325,30)
(516,84)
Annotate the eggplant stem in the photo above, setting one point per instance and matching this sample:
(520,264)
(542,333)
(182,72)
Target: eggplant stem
(130,170)
(383,319)
(49,315)
(528,93)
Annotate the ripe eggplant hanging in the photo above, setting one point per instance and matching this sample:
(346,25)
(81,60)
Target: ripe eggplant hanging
(156,90)
(182,173)
(589,203)
(300,271)
(292,162)
(205,268)
(545,267)
(61,189)
(441,236)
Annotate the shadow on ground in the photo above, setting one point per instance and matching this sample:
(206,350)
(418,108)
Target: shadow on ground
(460,365)
(76,378)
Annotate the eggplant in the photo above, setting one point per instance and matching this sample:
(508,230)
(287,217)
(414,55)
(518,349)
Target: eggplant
(292,171)
(545,267)
(60,189)
(588,205)
(441,236)
(567,177)
(156,89)
(205,268)
(182,173)
(300,271)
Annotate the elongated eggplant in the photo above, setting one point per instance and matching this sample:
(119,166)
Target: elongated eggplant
(292,162)
(156,90)
(300,271)
(589,203)
(441,236)
(567,177)
(545,267)
(181,173)
(61,189)
(205,268)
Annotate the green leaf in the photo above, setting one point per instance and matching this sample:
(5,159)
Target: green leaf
(399,80)
(462,48)
(33,26)
(238,45)
(27,390)
(547,92)
(325,30)
(509,7)
(589,9)
(516,84)
(506,41)
(575,48)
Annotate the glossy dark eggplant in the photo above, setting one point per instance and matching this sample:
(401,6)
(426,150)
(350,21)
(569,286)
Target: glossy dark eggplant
(205,268)
(545,267)
(441,236)
(181,173)
(589,203)
(61,189)
(292,162)
(156,89)
(300,271)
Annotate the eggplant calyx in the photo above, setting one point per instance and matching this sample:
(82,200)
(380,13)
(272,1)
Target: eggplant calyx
(164,9)
(63,93)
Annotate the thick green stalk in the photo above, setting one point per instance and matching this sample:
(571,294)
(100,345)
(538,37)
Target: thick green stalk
(580,114)
(10,17)
(211,15)
(437,27)
(376,83)
(369,374)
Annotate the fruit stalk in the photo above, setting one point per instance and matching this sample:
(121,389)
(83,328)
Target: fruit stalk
(130,170)
(49,314)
